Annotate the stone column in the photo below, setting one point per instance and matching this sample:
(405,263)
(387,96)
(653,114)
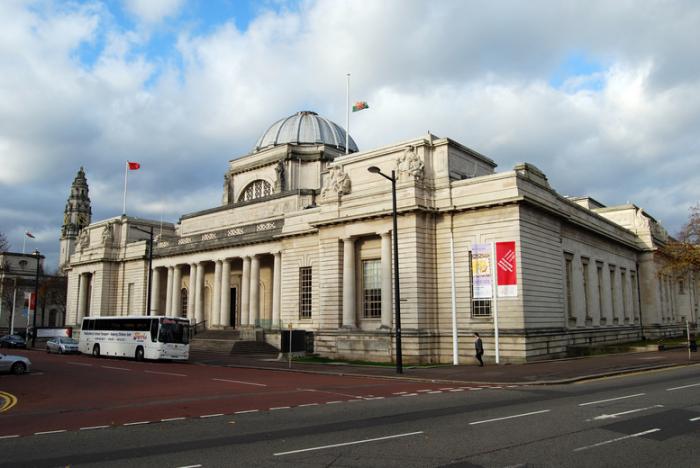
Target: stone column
(199,292)
(225,312)
(349,283)
(254,290)
(169,292)
(177,286)
(82,296)
(245,292)
(215,314)
(191,289)
(386,280)
(155,292)
(277,290)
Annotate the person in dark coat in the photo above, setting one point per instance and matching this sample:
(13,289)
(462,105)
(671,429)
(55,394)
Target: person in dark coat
(479,346)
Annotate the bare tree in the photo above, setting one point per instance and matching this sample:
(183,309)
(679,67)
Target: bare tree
(4,243)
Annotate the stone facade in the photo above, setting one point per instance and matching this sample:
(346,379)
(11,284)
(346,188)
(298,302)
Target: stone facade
(304,237)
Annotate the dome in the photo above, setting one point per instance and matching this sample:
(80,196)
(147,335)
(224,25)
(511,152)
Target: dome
(305,128)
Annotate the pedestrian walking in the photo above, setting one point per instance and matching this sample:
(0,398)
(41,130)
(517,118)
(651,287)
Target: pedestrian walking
(479,346)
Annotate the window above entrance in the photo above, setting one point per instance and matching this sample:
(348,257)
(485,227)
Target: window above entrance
(256,189)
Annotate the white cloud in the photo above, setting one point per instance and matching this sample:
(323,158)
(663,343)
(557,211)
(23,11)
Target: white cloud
(153,11)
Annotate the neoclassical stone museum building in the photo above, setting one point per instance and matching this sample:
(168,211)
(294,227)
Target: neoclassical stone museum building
(303,236)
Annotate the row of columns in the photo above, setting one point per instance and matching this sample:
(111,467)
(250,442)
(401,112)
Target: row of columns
(221,295)
(350,281)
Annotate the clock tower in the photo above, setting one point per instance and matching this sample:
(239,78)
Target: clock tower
(77,215)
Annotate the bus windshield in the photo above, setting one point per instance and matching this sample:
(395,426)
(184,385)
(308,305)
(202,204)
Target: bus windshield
(173,332)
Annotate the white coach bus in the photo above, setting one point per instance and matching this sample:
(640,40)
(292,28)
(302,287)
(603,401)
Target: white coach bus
(137,337)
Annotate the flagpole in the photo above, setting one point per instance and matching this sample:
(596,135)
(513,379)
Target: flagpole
(126,172)
(24,241)
(347,115)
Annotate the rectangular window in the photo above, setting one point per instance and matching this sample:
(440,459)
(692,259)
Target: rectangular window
(568,272)
(372,288)
(599,275)
(305,292)
(681,286)
(586,295)
(481,308)
(612,293)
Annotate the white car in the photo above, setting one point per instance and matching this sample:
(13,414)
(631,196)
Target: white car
(62,345)
(16,364)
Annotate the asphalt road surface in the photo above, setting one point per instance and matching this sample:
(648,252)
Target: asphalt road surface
(177,415)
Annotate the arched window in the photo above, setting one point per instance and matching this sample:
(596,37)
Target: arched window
(256,189)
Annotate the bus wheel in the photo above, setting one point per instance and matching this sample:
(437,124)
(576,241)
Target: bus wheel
(139,354)
(96,350)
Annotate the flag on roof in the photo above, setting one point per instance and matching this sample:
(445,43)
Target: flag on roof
(133,165)
(29,234)
(360,105)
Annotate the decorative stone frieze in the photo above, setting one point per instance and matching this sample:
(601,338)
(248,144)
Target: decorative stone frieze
(337,184)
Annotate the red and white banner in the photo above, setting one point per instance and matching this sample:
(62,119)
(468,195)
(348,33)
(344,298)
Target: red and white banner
(506,271)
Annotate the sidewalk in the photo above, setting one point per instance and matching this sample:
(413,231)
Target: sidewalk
(558,371)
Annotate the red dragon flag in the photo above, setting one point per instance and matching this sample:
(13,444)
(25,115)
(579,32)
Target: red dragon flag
(29,234)
(133,166)
(360,105)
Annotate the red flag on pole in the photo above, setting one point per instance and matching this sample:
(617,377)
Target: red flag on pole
(133,165)
(29,234)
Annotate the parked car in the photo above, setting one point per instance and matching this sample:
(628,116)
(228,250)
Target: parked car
(15,364)
(12,341)
(61,345)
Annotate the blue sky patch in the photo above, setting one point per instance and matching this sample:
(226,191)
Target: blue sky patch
(578,71)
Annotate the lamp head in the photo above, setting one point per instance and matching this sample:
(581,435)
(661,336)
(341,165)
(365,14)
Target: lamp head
(374,169)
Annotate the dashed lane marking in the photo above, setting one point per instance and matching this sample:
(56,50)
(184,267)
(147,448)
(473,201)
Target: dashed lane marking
(58,431)
(137,423)
(216,415)
(247,411)
(275,408)
(638,434)
(694,419)
(115,368)
(611,399)
(311,404)
(241,382)
(13,436)
(91,428)
(684,386)
(509,417)
(173,419)
(612,416)
(333,402)
(345,444)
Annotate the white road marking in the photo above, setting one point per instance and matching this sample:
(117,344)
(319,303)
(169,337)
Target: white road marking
(694,419)
(457,390)
(611,416)
(137,423)
(684,386)
(241,382)
(509,417)
(247,411)
(50,432)
(476,388)
(396,393)
(190,466)
(90,428)
(435,391)
(309,404)
(79,363)
(446,389)
(611,399)
(13,436)
(407,394)
(279,408)
(381,397)
(172,419)
(349,443)
(164,373)
(204,416)
(115,368)
(333,402)
(423,391)
(638,434)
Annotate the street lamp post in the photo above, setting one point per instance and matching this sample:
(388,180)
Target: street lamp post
(397,296)
(36,297)
(150,266)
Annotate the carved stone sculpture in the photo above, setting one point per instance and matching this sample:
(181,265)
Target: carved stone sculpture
(338,183)
(409,165)
(83,239)
(107,235)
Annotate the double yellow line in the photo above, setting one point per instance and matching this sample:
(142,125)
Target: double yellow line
(9,401)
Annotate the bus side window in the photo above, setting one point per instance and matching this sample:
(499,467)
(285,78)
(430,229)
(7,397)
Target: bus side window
(154,330)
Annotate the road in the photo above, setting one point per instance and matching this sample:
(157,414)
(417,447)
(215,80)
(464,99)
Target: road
(176,415)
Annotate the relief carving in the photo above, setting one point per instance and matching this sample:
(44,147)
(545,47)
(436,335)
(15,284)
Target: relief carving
(409,165)
(107,235)
(226,197)
(280,179)
(83,240)
(338,183)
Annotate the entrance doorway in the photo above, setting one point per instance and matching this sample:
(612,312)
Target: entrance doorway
(232,310)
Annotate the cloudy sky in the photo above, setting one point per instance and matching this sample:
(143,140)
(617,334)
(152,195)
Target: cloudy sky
(603,96)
